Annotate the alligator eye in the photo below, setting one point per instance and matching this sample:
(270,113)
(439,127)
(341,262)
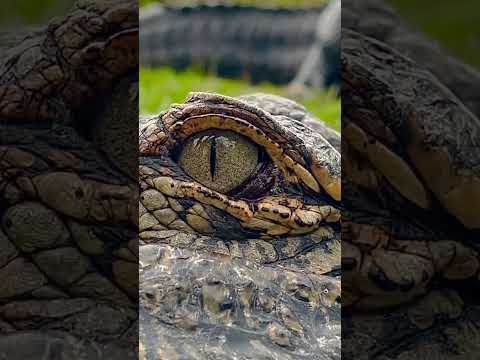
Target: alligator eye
(220,160)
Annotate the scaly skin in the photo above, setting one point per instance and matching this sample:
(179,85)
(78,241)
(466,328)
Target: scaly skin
(410,222)
(254,273)
(55,70)
(68,205)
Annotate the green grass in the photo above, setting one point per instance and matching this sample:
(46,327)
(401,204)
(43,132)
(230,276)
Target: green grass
(161,87)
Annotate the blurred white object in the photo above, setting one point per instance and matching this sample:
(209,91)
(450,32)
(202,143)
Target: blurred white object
(313,71)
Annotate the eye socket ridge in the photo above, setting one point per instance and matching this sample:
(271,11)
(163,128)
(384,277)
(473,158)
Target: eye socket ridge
(221,160)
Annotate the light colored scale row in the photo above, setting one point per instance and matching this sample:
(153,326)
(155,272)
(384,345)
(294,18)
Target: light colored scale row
(272,215)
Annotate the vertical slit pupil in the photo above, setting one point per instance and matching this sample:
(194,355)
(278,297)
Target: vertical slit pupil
(213,157)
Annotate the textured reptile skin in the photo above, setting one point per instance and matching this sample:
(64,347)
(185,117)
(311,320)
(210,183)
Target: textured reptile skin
(410,260)
(249,274)
(68,199)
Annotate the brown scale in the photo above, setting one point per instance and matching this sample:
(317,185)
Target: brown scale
(411,143)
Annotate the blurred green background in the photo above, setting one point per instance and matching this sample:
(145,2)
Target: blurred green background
(454,23)
(161,87)
(31,12)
